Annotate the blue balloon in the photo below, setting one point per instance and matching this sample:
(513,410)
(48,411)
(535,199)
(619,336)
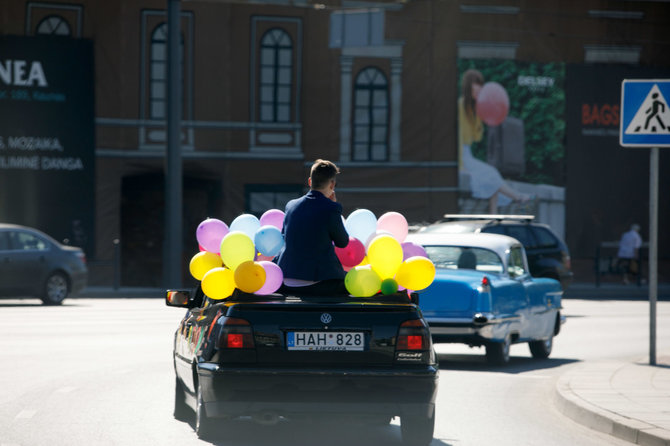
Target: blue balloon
(269,240)
(361,224)
(246,223)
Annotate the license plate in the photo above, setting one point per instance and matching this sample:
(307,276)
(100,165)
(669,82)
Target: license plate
(321,340)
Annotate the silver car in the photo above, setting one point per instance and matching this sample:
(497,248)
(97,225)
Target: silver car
(34,264)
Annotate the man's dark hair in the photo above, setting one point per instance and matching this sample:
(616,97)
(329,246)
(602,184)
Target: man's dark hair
(322,172)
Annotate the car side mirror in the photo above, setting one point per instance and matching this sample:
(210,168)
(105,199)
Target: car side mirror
(178,298)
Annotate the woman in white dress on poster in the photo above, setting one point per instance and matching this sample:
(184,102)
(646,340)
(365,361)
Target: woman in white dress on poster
(485,180)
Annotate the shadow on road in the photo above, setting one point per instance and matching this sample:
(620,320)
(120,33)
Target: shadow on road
(292,433)
(477,363)
(34,303)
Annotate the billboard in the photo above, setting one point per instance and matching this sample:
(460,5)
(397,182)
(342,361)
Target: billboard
(47,147)
(511,128)
(607,185)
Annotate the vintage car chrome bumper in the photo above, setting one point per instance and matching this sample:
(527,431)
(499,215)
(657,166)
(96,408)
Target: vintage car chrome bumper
(477,330)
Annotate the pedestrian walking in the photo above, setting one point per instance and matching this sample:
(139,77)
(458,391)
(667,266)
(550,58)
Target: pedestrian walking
(628,255)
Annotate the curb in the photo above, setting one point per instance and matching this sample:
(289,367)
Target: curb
(602,420)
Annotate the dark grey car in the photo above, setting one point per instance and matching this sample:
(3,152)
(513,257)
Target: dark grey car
(548,255)
(34,264)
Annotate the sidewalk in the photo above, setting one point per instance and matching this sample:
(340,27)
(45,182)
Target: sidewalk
(629,400)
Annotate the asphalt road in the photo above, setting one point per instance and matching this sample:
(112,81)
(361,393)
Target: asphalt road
(99,372)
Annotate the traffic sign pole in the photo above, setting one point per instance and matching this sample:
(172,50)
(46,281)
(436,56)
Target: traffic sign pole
(653,251)
(645,122)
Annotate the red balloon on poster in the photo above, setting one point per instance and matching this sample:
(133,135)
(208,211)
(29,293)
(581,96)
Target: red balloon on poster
(492,103)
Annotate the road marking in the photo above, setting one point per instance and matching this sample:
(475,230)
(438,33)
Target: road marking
(25,414)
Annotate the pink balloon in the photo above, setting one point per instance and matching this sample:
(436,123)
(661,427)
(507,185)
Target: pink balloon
(492,103)
(273,217)
(210,233)
(395,223)
(411,249)
(352,254)
(273,278)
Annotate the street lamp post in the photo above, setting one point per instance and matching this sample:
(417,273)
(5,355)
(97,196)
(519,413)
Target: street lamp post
(172,251)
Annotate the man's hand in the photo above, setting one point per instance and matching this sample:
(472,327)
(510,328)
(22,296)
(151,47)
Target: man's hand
(333,197)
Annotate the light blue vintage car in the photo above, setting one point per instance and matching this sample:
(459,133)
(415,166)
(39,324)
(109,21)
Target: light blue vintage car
(483,295)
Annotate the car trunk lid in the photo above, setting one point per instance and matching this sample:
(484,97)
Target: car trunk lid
(341,332)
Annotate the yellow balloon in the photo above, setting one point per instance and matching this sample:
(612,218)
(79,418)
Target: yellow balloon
(416,273)
(250,276)
(362,281)
(203,262)
(218,283)
(385,255)
(236,248)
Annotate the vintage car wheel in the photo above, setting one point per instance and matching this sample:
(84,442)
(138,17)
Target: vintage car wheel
(541,349)
(56,289)
(203,424)
(181,409)
(417,430)
(497,353)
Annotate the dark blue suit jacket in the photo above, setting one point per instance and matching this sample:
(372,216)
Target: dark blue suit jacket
(311,224)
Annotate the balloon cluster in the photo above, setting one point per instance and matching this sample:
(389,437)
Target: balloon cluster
(377,257)
(239,256)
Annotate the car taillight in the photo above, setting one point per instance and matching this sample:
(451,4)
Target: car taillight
(235,333)
(82,256)
(486,284)
(413,335)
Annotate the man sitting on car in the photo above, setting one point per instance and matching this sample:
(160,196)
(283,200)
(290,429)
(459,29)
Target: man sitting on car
(312,223)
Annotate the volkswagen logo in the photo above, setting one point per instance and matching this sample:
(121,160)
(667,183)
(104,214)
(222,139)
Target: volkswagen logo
(326,318)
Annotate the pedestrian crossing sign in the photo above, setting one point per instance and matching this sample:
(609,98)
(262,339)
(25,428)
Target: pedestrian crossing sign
(645,113)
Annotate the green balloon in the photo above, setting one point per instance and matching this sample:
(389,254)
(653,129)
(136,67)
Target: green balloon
(389,286)
(362,281)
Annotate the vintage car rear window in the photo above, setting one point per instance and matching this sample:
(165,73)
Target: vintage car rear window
(458,257)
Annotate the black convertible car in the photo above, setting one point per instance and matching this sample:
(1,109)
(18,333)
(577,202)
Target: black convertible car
(273,357)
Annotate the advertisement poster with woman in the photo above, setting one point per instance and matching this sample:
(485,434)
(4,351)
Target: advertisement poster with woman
(511,131)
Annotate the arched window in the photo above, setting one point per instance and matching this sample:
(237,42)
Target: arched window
(53,25)
(158,71)
(371,116)
(276,76)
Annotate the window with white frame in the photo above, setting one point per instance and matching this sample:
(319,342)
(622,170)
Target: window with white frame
(53,25)
(276,76)
(53,19)
(158,71)
(371,116)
